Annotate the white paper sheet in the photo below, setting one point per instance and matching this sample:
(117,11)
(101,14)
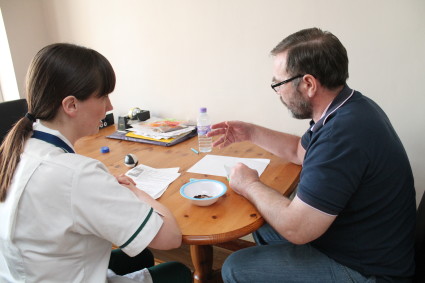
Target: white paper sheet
(214,164)
(151,180)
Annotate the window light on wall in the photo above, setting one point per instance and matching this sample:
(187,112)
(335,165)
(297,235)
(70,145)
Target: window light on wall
(8,86)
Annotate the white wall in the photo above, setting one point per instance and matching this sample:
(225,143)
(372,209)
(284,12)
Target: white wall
(171,57)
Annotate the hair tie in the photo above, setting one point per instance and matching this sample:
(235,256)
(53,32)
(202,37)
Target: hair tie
(31,117)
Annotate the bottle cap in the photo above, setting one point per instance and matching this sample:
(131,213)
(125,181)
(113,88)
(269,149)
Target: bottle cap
(104,149)
(203,109)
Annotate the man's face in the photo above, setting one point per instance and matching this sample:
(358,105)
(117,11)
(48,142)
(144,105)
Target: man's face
(289,94)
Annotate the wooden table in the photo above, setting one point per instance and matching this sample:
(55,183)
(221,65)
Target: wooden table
(228,219)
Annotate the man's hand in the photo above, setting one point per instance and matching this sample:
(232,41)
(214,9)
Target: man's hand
(231,131)
(242,177)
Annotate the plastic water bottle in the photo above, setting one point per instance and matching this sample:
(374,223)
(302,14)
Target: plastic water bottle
(204,126)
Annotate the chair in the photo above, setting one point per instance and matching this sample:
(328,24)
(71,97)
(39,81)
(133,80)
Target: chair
(10,113)
(420,242)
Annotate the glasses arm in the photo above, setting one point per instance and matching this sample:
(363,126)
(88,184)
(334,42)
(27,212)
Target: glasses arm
(274,86)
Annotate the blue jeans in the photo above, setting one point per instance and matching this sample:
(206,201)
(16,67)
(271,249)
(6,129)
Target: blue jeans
(277,260)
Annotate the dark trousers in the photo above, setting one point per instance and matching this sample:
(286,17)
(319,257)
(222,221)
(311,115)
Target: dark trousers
(122,264)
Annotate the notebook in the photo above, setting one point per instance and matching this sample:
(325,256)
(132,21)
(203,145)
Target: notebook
(130,136)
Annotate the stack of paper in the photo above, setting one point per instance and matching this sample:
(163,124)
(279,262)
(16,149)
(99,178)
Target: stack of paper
(158,129)
(153,181)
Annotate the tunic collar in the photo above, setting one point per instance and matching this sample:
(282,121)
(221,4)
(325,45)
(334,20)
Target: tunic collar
(53,137)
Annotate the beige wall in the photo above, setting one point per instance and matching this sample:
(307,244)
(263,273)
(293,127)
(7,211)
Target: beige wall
(172,57)
(26,31)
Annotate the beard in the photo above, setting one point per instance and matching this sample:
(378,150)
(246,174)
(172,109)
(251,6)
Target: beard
(299,107)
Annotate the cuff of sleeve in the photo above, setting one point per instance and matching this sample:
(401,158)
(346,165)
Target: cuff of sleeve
(305,197)
(143,236)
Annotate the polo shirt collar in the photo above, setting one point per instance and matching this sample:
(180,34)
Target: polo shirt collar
(345,94)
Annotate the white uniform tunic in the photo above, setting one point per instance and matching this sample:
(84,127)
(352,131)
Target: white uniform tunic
(61,214)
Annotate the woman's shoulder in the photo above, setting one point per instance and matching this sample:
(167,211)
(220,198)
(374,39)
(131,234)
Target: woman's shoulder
(56,156)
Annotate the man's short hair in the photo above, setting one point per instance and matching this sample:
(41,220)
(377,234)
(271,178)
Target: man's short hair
(315,52)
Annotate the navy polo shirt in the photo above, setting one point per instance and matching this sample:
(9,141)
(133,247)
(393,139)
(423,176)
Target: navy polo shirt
(356,167)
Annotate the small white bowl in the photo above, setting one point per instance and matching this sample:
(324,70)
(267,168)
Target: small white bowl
(203,192)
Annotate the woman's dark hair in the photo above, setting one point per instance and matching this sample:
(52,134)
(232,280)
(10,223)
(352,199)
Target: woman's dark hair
(57,71)
(315,52)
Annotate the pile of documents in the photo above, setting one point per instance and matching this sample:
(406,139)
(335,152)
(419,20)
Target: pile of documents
(160,129)
(151,180)
(165,132)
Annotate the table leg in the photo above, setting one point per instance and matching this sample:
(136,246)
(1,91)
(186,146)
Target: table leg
(202,259)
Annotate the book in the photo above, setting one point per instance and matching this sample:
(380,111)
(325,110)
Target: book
(166,140)
(162,142)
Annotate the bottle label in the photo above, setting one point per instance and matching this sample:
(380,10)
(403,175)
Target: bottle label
(203,130)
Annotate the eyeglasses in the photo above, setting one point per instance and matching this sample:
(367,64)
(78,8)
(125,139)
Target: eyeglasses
(276,85)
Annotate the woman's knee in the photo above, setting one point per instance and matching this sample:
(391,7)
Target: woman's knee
(170,272)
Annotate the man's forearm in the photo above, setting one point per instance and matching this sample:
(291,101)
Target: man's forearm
(271,205)
(293,219)
(284,145)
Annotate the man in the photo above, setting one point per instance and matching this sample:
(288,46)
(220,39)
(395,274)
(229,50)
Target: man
(353,217)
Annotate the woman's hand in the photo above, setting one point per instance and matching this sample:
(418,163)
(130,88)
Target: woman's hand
(125,180)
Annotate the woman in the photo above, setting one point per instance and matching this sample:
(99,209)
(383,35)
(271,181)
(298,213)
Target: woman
(60,211)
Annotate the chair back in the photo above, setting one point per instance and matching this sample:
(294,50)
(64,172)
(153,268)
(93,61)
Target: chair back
(420,242)
(10,113)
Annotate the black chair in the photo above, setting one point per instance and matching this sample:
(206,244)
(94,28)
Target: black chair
(420,242)
(10,113)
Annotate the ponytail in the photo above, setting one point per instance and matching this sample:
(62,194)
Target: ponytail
(10,153)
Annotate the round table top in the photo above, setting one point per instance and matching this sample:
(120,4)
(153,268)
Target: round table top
(231,217)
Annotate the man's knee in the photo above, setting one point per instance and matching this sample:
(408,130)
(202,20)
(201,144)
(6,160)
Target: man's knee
(229,267)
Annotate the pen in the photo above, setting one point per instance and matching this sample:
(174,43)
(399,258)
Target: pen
(195,151)
(228,170)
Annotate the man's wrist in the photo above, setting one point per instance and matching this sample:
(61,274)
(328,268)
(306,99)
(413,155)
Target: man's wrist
(251,134)
(252,189)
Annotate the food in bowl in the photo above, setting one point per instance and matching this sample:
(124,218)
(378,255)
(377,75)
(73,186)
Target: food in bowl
(203,192)
(202,196)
